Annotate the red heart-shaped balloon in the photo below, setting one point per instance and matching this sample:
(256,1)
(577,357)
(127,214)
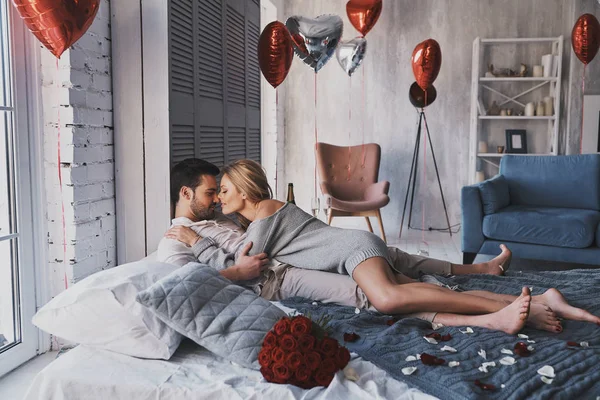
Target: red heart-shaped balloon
(57,23)
(275,53)
(426,62)
(363,14)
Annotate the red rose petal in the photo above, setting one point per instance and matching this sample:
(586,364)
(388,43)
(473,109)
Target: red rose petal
(522,350)
(351,337)
(428,359)
(485,386)
(434,335)
(446,337)
(391,322)
(574,344)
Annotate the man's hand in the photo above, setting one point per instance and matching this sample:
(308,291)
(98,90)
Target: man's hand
(250,267)
(183,234)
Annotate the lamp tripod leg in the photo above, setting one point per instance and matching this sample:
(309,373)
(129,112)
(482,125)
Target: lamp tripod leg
(412,176)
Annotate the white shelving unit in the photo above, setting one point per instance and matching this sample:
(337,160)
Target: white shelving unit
(511,90)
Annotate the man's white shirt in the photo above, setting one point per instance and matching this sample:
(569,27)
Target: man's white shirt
(221,229)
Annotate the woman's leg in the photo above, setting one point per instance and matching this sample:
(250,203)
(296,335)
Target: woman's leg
(376,279)
(496,266)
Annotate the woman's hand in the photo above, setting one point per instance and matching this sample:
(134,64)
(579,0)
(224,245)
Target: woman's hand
(183,234)
(250,267)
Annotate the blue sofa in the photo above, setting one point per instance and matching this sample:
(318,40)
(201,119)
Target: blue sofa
(541,207)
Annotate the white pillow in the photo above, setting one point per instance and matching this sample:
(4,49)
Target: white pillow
(101,311)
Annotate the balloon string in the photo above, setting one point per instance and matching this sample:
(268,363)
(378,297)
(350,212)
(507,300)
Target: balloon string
(62,202)
(582,109)
(424,176)
(276,142)
(364,155)
(316,135)
(350,129)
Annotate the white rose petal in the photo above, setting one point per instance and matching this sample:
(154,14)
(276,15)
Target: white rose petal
(430,340)
(503,386)
(411,358)
(453,364)
(357,311)
(314,303)
(584,344)
(523,336)
(546,370)
(351,374)
(418,356)
(466,331)
(546,380)
(530,348)
(483,369)
(507,361)
(408,370)
(483,354)
(485,365)
(448,348)
(530,341)
(506,351)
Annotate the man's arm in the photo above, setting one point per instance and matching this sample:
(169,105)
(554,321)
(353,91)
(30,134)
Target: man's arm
(246,268)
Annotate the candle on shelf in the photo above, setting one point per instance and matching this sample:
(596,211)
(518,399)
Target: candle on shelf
(483,147)
(538,71)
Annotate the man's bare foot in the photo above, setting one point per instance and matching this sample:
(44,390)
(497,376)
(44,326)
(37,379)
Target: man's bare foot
(511,319)
(500,264)
(542,317)
(557,302)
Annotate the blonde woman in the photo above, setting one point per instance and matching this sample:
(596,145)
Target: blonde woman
(292,236)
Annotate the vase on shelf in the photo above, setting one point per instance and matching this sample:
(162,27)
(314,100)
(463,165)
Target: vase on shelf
(530,109)
(548,106)
(539,110)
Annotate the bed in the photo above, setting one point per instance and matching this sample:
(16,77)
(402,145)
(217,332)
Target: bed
(194,373)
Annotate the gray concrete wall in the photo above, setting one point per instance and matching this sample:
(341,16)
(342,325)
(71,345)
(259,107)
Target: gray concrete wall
(389,118)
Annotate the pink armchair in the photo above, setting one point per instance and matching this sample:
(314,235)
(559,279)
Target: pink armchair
(351,186)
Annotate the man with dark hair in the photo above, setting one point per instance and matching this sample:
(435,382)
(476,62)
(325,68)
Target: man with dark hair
(194,198)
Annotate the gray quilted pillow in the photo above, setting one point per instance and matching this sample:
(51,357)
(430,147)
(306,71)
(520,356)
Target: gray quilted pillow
(227,319)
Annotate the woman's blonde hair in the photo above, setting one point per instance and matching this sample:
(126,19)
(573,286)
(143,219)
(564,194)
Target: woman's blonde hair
(249,177)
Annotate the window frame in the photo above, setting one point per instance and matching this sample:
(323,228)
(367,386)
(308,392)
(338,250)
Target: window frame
(30,207)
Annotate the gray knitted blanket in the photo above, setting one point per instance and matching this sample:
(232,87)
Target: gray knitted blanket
(577,369)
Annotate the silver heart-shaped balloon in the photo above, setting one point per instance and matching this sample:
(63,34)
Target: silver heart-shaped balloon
(351,53)
(315,40)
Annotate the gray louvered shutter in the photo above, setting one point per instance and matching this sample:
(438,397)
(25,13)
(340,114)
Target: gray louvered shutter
(214,80)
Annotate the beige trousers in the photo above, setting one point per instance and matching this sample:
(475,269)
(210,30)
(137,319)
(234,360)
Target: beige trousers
(285,281)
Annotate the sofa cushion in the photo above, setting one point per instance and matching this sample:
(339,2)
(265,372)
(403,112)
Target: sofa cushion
(560,227)
(494,194)
(554,181)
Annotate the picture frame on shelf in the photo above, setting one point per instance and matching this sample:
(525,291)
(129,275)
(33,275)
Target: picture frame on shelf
(516,141)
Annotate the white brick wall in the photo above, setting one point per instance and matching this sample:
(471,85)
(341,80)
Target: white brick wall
(77,105)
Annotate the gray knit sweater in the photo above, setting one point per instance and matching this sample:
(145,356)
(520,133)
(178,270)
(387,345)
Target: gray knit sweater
(295,237)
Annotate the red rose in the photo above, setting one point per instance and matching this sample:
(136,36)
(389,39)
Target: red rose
(350,337)
(329,366)
(343,357)
(312,359)
(264,357)
(267,373)
(306,343)
(282,326)
(270,341)
(328,346)
(282,373)
(300,326)
(288,342)
(302,373)
(294,359)
(323,378)
(277,355)
(428,359)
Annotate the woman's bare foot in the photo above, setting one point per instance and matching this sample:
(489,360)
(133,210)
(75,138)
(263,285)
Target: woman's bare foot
(500,264)
(542,317)
(511,319)
(557,302)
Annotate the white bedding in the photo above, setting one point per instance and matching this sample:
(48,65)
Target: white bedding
(85,373)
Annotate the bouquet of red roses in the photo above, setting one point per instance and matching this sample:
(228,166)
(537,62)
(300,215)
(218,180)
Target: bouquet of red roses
(295,351)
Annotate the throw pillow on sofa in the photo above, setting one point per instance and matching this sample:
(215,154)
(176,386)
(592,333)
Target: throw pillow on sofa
(494,194)
(101,311)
